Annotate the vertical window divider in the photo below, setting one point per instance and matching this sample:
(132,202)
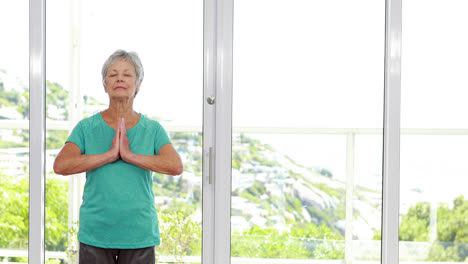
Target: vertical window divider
(223,126)
(37,132)
(391,144)
(209,133)
(350,168)
(217,131)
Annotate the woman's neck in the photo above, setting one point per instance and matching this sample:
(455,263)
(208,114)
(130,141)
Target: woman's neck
(118,109)
(121,107)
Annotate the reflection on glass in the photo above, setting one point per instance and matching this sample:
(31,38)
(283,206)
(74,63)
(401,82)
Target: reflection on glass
(14,194)
(57,101)
(79,40)
(14,131)
(178,201)
(57,202)
(285,204)
(282,205)
(367,196)
(308,183)
(434,203)
(60,220)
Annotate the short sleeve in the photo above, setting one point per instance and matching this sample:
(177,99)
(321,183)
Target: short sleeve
(77,137)
(161,138)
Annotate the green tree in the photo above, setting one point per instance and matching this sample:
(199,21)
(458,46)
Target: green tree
(58,97)
(14,213)
(452,235)
(303,241)
(438,252)
(56,214)
(9,98)
(259,242)
(180,236)
(315,232)
(56,139)
(323,241)
(414,225)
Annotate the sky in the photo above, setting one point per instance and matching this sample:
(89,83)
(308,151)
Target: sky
(305,64)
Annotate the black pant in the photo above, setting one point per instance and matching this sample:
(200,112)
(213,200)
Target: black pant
(95,255)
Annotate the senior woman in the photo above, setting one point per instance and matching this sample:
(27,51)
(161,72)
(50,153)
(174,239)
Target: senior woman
(118,149)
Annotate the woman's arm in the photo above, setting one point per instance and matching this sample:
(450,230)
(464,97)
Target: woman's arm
(70,160)
(166,162)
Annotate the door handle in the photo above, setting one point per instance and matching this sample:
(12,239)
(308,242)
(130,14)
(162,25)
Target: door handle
(210,169)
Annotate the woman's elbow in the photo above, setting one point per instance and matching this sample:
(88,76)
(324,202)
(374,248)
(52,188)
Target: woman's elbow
(177,169)
(58,169)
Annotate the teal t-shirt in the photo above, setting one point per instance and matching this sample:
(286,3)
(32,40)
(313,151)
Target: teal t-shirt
(118,202)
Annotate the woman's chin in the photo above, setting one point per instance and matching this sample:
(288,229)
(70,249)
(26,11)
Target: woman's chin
(120,97)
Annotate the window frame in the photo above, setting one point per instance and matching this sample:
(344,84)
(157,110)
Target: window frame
(391,144)
(217,131)
(37,131)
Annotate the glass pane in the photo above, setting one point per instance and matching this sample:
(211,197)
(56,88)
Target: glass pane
(434,138)
(81,38)
(14,131)
(61,212)
(307,181)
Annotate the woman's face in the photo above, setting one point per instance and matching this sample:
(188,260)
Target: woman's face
(121,80)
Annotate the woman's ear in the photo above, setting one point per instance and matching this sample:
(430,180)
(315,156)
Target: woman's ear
(138,87)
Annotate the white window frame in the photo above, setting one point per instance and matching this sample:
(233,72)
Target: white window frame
(37,131)
(391,146)
(217,131)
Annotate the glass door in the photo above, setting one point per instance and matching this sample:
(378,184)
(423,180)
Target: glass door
(434,135)
(307,130)
(168,37)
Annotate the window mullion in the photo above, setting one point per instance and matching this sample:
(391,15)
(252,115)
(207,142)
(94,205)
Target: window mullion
(37,131)
(391,149)
(209,133)
(223,150)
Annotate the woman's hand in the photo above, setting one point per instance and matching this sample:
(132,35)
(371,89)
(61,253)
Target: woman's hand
(167,161)
(124,143)
(120,147)
(114,151)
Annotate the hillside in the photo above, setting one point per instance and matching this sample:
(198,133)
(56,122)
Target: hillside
(271,190)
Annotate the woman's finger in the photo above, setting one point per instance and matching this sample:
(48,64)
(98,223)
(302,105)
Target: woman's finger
(123,127)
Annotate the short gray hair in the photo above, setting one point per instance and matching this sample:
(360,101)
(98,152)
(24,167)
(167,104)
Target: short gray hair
(122,55)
